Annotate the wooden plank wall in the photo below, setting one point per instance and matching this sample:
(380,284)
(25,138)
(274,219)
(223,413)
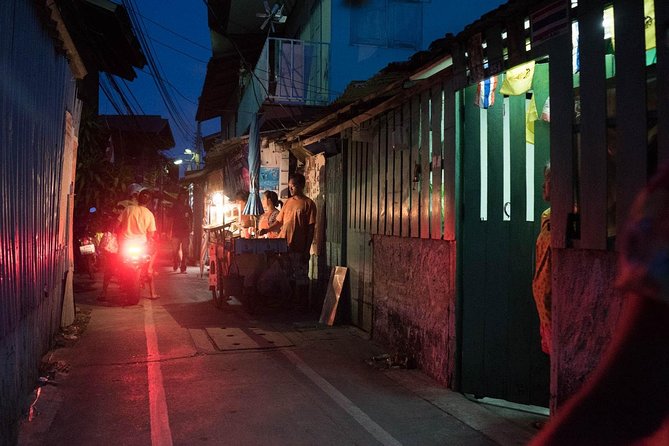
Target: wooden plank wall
(335,210)
(661,21)
(424,202)
(629,22)
(593,125)
(402,176)
(414,126)
(436,228)
(396,184)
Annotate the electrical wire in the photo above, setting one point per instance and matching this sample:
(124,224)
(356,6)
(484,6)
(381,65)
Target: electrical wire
(174,110)
(174,32)
(139,106)
(171,85)
(177,50)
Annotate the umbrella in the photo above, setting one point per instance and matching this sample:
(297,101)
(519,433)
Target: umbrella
(253,204)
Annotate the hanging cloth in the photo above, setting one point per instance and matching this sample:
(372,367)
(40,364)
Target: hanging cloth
(253,204)
(518,80)
(546,110)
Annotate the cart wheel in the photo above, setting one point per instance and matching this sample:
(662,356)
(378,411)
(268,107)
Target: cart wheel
(216,296)
(215,289)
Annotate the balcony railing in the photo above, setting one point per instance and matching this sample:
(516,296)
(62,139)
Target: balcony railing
(288,71)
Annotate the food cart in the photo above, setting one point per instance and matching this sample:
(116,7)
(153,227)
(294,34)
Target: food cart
(235,262)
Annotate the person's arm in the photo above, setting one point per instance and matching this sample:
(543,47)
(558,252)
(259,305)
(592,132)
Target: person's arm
(276,226)
(311,227)
(310,237)
(272,227)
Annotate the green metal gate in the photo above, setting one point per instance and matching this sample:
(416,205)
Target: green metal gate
(500,218)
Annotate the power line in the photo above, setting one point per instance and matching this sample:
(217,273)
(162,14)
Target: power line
(171,85)
(177,51)
(133,96)
(174,32)
(173,108)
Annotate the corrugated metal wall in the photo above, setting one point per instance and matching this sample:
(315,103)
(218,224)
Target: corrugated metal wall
(36,90)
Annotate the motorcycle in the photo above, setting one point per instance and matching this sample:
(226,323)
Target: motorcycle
(133,270)
(88,252)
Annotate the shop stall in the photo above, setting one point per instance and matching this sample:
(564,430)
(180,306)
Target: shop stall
(237,258)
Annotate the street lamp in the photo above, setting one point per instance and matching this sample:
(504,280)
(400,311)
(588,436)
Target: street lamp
(178,162)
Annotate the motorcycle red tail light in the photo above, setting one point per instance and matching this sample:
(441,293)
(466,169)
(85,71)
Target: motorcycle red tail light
(133,250)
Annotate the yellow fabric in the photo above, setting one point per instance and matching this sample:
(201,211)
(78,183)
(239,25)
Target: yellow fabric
(541,282)
(135,221)
(296,215)
(518,80)
(649,11)
(531,116)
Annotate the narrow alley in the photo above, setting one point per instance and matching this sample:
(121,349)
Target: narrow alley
(178,370)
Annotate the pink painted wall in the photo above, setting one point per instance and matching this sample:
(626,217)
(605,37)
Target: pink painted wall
(586,309)
(414,301)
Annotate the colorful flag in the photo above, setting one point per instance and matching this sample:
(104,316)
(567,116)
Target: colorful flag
(485,93)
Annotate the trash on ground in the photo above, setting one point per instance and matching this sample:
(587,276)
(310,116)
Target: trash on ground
(392,361)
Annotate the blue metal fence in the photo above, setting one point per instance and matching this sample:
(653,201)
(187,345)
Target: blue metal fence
(36,91)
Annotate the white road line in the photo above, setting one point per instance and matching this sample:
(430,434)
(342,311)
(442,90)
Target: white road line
(354,411)
(161,435)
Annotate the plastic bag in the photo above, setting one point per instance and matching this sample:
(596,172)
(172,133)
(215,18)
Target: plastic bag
(109,243)
(518,80)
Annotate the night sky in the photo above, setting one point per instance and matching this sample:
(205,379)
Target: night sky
(179,37)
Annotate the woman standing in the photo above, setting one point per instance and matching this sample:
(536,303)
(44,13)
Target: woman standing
(270,202)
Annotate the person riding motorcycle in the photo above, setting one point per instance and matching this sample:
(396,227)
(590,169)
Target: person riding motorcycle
(137,224)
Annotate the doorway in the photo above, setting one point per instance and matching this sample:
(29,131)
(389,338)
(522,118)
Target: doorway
(501,168)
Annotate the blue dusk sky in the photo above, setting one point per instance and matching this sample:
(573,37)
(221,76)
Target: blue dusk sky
(177,33)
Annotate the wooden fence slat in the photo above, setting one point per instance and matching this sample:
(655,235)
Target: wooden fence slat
(397,174)
(375,180)
(592,189)
(562,115)
(356,177)
(361,186)
(661,20)
(368,186)
(518,162)
(449,161)
(390,174)
(631,54)
(494,50)
(363,175)
(350,177)
(415,159)
(515,39)
(405,205)
(383,166)
(425,197)
(436,228)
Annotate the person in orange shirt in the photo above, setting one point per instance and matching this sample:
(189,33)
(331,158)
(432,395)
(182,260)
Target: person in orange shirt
(541,282)
(137,223)
(297,220)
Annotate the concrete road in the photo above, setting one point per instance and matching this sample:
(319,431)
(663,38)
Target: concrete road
(179,371)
